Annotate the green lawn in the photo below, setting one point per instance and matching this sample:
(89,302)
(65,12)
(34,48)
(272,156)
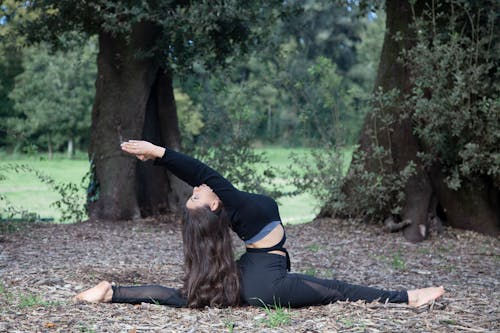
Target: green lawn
(299,208)
(27,192)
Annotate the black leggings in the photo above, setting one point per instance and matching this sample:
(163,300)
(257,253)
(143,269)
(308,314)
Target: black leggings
(265,281)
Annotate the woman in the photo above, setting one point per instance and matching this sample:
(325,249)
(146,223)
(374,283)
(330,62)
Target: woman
(260,277)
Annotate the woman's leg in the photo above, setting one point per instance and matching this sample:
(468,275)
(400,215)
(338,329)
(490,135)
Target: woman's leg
(104,292)
(302,290)
(148,294)
(297,290)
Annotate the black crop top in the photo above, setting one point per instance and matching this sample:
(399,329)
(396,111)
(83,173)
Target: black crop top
(248,212)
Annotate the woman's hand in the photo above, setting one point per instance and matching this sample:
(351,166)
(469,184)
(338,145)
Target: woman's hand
(143,150)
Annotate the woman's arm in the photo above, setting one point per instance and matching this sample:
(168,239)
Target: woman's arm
(143,150)
(187,168)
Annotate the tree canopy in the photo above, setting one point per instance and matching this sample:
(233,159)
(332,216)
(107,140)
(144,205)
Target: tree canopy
(53,95)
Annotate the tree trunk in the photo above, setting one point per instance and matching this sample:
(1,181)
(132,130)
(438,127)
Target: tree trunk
(49,147)
(401,142)
(472,207)
(71,148)
(475,206)
(127,88)
(158,190)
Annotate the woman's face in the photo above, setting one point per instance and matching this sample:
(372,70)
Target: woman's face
(203,195)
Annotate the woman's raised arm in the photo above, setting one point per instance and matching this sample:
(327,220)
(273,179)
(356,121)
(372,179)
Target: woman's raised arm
(187,168)
(143,150)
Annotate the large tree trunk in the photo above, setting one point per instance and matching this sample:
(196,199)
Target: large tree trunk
(460,207)
(158,190)
(127,88)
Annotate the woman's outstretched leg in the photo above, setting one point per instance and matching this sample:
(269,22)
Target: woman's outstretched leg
(104,292)
(101,293)
(301,290)
(154,294)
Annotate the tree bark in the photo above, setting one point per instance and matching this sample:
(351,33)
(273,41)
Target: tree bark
(123,88)
(399,139)
(474,206)
(159,191)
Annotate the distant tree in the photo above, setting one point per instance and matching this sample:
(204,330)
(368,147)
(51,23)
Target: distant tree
(10,63)
(325,28)
(142,45)
(275,84)
(53,95)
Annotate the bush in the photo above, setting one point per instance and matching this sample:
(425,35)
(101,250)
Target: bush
(372,193)
(455,100)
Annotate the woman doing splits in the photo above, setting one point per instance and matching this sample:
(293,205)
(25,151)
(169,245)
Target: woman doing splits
(212,276)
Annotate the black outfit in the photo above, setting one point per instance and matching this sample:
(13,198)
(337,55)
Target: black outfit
(264,275)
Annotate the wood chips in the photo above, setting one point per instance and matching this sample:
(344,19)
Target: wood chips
(42,266)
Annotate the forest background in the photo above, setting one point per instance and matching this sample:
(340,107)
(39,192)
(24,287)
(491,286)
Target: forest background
(312,77)
(409,87)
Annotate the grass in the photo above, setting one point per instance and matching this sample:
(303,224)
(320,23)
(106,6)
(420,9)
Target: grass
(22,300)
(398,261)
(311,272)
(230,325)
(26,192)
(27,301)
(276,316)
(314,247)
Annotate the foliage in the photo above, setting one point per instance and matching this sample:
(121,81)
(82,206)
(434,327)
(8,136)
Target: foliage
(455,100)
(324,102)
(368,50)
(378,191)
(321,174)
(453,106)
(273,83)
(189,114)
(373,193)
(188,35)
(327,91)
(230,150)
(281,82)
(325,29)
(53,96)
(10,57)
(70,204)
(10,211)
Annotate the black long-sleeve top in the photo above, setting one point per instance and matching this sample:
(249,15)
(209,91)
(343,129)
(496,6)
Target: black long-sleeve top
(248,212)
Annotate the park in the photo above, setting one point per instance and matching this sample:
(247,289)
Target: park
(373,126)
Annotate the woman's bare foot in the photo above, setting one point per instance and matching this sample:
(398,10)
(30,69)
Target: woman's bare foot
(418,297)
(100,293)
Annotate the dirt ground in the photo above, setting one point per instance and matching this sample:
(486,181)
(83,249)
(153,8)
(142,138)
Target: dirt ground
(42,266)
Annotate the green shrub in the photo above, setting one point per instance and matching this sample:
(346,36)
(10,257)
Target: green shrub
(455,100)
(373,192)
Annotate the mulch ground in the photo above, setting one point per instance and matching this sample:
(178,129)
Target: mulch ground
(42,266)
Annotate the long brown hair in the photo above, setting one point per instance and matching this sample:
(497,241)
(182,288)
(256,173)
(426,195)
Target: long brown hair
(211,274)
